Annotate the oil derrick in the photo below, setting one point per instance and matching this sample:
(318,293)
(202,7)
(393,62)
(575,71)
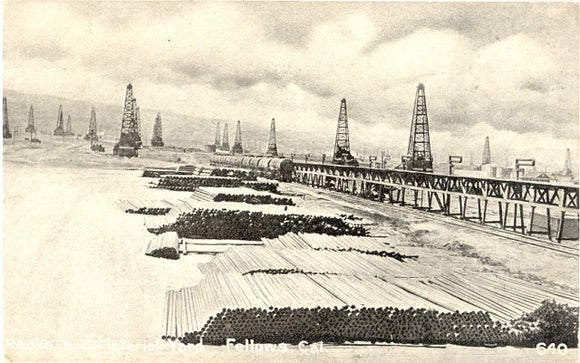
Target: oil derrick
(568,163)
(6,134)
(342,153)
(68,131)
(31,128)
(217,142)
(137,116)
(419,153)
(226,139)
(486,152)
(92,133)
(237,148)
(272,148)
(127,145)
(157,139)
(59,131)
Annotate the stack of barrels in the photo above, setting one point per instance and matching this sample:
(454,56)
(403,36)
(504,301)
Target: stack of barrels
(191,183)
(253,199)
(252,226)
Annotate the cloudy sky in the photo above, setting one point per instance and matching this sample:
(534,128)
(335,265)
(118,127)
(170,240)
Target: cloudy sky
(509,71)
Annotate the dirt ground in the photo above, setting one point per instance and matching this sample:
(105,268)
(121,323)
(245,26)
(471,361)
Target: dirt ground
(77,284)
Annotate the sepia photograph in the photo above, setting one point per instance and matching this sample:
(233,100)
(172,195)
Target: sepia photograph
(289,181)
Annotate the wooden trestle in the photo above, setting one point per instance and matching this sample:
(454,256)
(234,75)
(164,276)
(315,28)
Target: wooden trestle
(439,193)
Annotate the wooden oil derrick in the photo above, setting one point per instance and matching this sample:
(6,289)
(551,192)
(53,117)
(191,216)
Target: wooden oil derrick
(341,154)
(6,134)
(237,148)
(59,131)
(486,152)
(92,133)
(128,141)
(419,156)
(157,139)
(272,148)
(226,139)
(31,128)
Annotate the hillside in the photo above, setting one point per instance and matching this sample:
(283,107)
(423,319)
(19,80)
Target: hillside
(178,129)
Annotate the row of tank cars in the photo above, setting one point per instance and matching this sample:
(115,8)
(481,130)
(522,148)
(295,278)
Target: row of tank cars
(279,168)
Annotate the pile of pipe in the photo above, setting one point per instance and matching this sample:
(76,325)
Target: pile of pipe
(262,186)
(235,173)
(252,199)
(191,183)
(149,211)
(374,325)
(246,225)
(165,245)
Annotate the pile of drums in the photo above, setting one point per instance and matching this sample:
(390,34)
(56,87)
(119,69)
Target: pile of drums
(191,183)
(252,226)
(252,199)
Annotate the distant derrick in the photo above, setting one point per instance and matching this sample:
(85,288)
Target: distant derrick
(69,131)
(31,128)
(225,140)
(157,139)
(342,153)
(92,133)
(217,142)
(568,163)
(418,156)
(6,134)
(59,131)
(129,140)
(272,148)
(237,148)
(486,152)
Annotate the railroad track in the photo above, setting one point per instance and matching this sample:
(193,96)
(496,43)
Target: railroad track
(514,236)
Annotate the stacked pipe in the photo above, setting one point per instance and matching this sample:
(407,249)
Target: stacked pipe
(235,173)
(147,207)
(246,225)
(165,246)
(253,199)
(262,186)
(191,183)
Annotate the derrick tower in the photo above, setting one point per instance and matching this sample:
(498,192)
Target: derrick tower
(137,116)
(128,141)
(31,128)
(69,126)
(418,156)
(272,148)
(568,163)
(486,152)
(226,139)
(157,139)
(217,141)
(59,131)
(237,148)
(342,153)
(6,134)
(92,133)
